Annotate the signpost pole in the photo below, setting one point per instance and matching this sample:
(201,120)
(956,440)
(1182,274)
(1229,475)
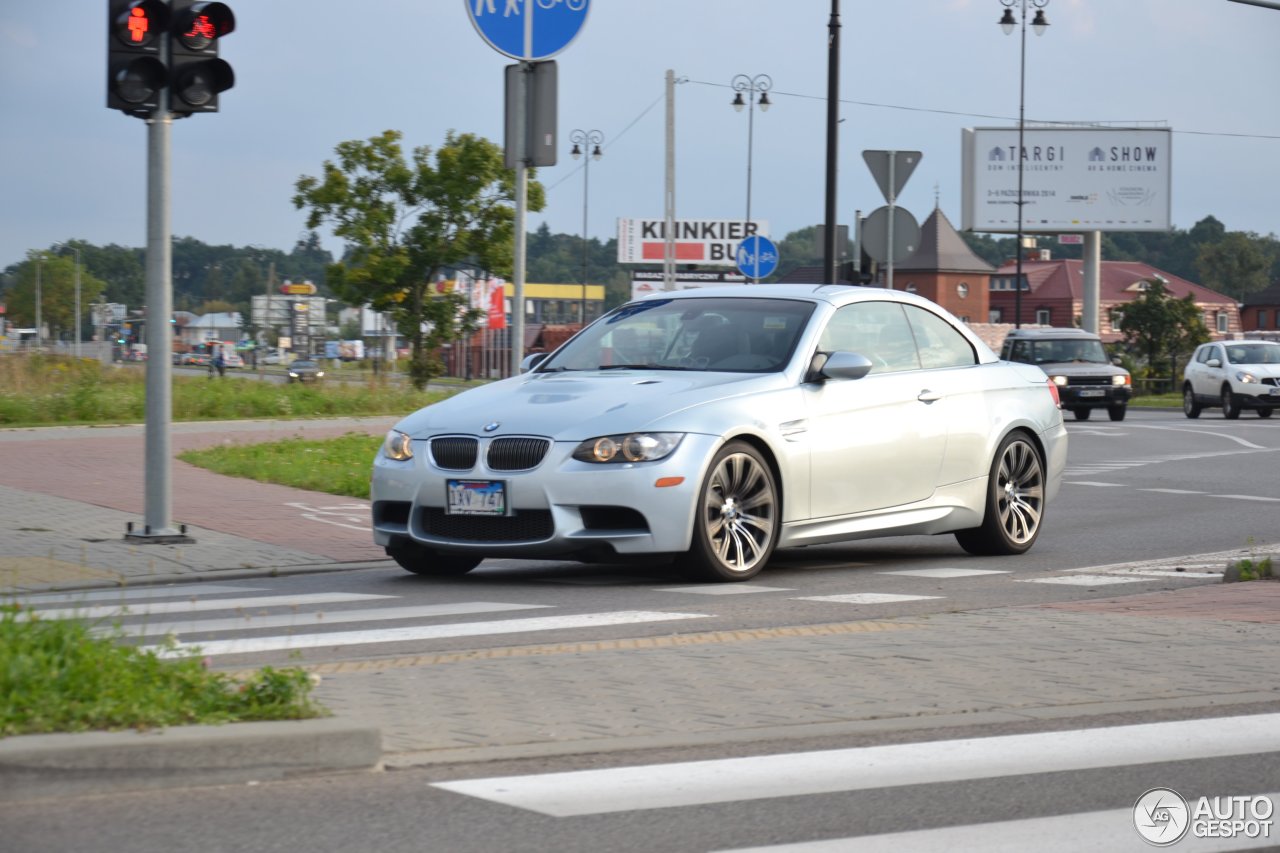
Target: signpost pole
(522,205)
(893,155)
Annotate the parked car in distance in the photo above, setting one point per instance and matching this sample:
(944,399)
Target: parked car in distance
(1076,362)
(197,358)
(712,426)
(1234,375)
(305,370)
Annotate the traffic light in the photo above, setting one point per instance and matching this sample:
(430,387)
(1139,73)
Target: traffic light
(135,72)
(196,74)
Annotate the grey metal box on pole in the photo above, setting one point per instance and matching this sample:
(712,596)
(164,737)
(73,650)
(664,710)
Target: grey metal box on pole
(537,144)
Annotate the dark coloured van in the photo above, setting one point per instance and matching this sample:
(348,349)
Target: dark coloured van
(1076,362)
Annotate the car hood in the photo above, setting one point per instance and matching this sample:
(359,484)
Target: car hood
(1082,368)
(578,405)
(1260,370)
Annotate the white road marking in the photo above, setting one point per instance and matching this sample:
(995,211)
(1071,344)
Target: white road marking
(421,632)
(1083,580)
(156,608)
(350,516)
(1088,483)
(866,598)
(945,573)
(133,593)
(319,619)
(725,589)
(1165,573)
(1173,491)
(1068,833)
(690,783)
(1247,498)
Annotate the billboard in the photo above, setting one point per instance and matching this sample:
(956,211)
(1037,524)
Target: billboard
(1073,179)
(709,242)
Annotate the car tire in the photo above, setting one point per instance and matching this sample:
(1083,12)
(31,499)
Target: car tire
(1190,407)
(420,560)
(1082,414)
(1116,413)
(1015,501)
(1230,404)
(1264,413)
(738,517)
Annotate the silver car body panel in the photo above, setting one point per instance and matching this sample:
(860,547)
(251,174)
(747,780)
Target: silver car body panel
(832,444)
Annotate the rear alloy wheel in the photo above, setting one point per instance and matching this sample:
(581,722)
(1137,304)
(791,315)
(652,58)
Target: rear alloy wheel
(1230,404)
(1082,414)
(1116,413)
(1015,501)
(737,522)
(1264,413)
(421,560)
(1190,407)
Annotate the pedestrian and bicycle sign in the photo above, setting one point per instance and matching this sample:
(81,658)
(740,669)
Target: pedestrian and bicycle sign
(757,257)
(528,30)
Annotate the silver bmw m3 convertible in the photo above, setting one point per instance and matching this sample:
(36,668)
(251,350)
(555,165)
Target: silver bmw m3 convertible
(711,426)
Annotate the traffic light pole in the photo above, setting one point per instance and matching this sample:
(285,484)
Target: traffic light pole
(158,526)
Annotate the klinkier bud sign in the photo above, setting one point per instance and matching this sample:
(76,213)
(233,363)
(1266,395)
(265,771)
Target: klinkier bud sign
(709,242)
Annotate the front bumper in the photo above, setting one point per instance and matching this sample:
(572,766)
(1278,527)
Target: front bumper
(562,508)
(1088,396)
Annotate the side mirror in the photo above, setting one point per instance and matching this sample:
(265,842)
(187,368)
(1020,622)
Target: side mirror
(1116,360)
(846,365)
(1213,362)
(532,360)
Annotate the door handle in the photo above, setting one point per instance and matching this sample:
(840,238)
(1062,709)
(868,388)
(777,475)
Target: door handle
(927,396)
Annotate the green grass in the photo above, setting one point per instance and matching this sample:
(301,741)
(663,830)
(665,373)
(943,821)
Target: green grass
(339,466)
(38,390)
(1157,401)
(56,676)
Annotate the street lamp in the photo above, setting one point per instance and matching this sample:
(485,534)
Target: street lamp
(75,249)
(39,300)
(1008,23)
(582,140)
(760,83)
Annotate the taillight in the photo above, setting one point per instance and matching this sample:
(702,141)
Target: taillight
(1053,389)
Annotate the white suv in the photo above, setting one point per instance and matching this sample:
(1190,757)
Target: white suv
(1235,375)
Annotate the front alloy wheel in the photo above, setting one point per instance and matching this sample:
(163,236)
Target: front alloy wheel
(1230,404)
(1015,501)
(738,517)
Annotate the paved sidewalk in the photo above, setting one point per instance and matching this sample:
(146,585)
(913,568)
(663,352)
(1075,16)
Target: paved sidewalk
(66,495)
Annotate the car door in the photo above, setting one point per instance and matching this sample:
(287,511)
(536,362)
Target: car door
(1207,378)
(878,441)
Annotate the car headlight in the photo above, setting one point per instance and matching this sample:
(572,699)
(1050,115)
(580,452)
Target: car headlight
(628,447)
(1058,380)
(1245,377)
(1122,379)
(294,375)
(397,446)
(319,373)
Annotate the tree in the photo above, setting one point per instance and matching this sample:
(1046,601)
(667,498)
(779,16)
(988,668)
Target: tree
(1161,326)
(405,222)
(56,276)
(1236,265)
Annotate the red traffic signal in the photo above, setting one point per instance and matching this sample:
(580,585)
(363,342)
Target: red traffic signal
(135,73)
(196,74)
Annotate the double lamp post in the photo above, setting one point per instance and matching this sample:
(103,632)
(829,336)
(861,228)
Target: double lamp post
(586,144)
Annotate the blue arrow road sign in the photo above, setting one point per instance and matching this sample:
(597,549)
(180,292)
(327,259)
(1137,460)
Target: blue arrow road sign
(528,29)
(757,256)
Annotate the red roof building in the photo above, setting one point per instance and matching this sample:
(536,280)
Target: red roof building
(1054,295)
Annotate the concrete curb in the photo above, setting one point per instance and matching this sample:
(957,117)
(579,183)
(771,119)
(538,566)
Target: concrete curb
(70,765)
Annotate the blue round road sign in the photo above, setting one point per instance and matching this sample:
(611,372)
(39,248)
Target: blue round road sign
(528,29)
(757,256)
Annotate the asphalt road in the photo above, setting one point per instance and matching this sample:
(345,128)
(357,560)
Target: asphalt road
(1154,486)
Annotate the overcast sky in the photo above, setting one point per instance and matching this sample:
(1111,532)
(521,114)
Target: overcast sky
(914,74)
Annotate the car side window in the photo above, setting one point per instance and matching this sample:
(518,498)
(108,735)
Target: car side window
(877,330)
(938,343)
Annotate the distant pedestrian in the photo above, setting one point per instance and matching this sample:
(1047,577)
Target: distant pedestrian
(219,363)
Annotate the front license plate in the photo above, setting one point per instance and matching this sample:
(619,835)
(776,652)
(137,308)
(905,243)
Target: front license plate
(1093,392)
(476,497)
(1274,392)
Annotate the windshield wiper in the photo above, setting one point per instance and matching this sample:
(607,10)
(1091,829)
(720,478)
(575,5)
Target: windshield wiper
(641,367)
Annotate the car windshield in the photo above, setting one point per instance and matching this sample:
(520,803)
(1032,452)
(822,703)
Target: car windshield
(1253,354)
(735,334)
(301,363)
(1090,352)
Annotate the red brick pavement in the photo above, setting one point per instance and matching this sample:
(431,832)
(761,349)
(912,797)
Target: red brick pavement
(106,467)
(1255,601)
